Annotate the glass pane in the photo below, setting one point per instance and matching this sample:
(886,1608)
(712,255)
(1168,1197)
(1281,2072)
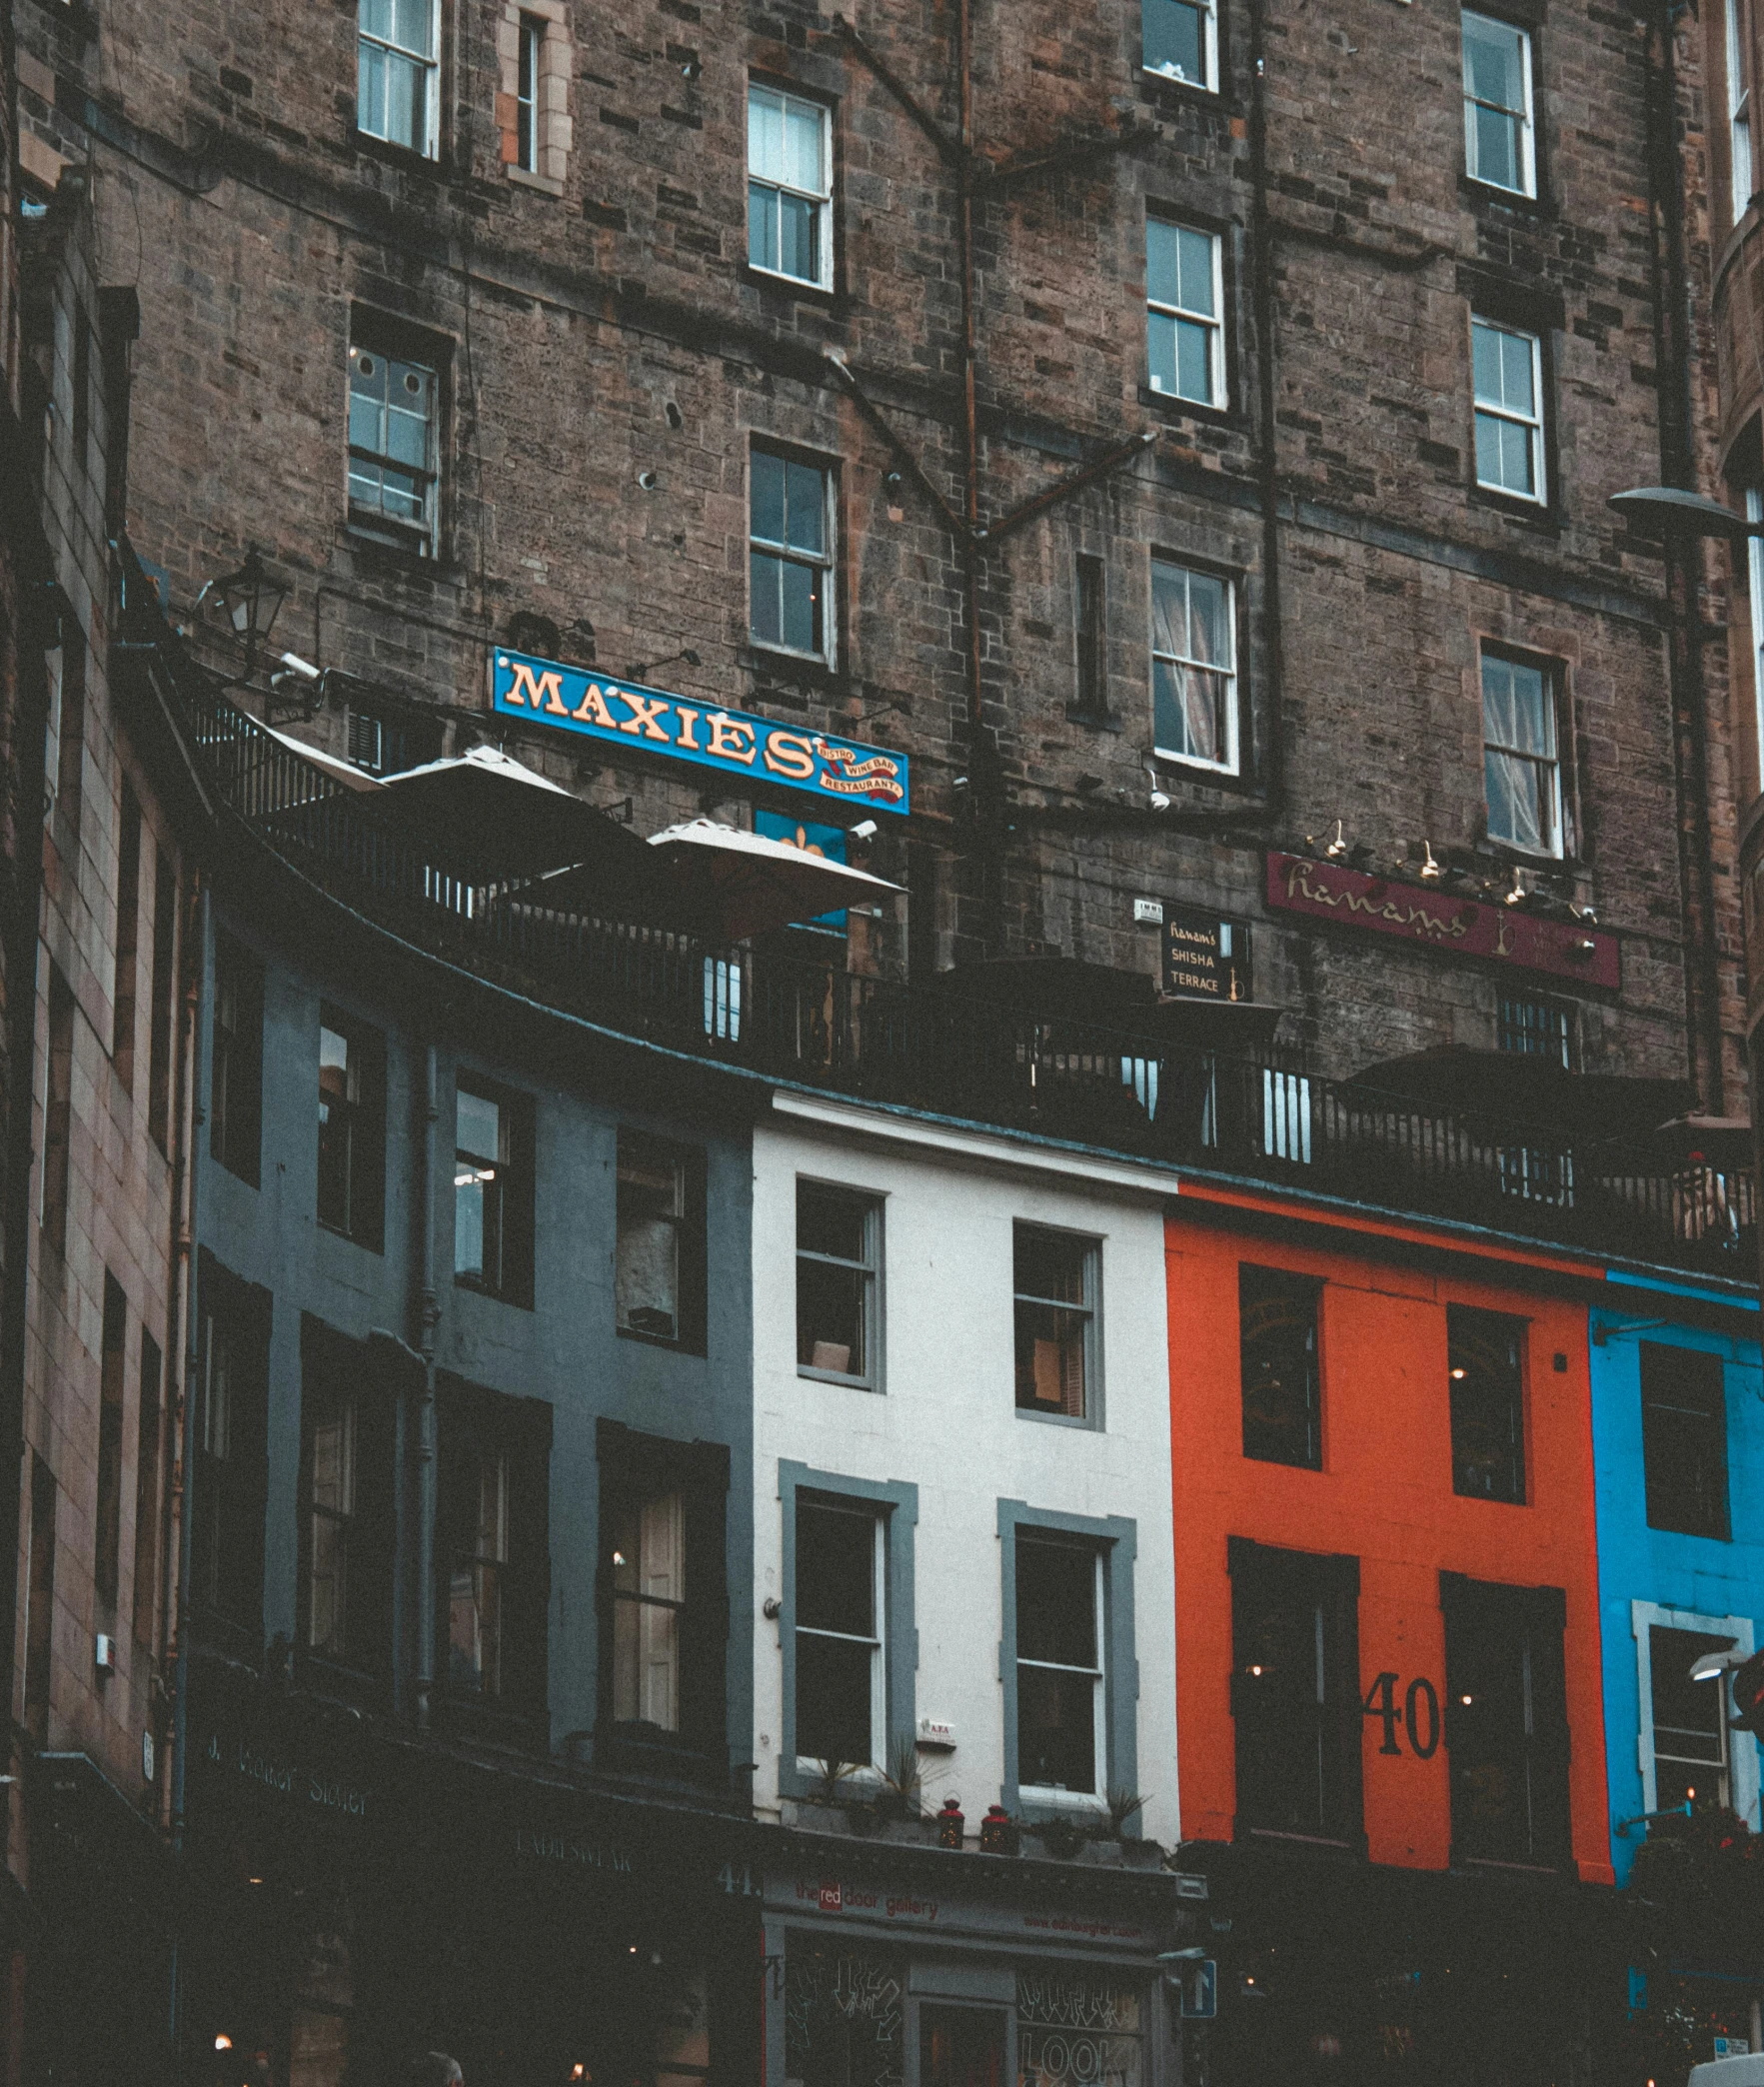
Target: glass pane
(370,89)
(1684,1441)
(1174,41)
(799,229)
(327,1591)
(964,2047)
(415,25)
(766,483)
(1161,274)
(1055,1602)
(1050,1264)
(406,104)
(831,1311)
(1496,146)
(407,424)
(1490,463)
(376,17)
(364,482)
(764,134)
(400,496)
(645,1664)
(468,1220)
(1193,362)
(1519,373)
(799,597)
(367,413)
(1493,66)
(761,226)
(805,508)
(333,1460)
(834,1713)
(833,1220)
(1160,347)
(478,1121)
(802,129)
(1209,621)
(835,1568)
(473,1629)
(1056,1728)
(1170,609)
(1194,268)
(765,603)
(1077,2028)
(1514,808)
(1688,1716)
(1188,712)
(1517,455)
(648,1275)
(1050,1359)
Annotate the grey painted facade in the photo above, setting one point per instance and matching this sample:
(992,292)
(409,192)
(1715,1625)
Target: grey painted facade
(563,1349)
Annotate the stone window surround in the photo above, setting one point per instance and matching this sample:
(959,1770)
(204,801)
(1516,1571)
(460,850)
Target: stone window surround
(1742,1760)
(551,113)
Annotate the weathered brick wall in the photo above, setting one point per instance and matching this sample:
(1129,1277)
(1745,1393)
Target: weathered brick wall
(578,330)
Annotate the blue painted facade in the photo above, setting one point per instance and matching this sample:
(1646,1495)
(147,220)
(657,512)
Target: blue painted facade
(1653,1576)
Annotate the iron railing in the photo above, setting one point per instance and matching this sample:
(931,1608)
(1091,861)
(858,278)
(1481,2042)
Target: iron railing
(882,1039)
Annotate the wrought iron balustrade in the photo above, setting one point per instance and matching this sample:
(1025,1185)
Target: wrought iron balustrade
(1262,1116)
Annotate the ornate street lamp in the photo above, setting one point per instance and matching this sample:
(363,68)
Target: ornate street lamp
(250,601)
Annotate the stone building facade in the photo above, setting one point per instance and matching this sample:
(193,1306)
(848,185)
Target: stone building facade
(1229,269)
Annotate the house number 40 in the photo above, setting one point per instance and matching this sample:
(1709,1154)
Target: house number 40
(1420,1713)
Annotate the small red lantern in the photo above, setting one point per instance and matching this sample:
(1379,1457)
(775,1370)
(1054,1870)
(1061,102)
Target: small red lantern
(949,1823)
(997,1832)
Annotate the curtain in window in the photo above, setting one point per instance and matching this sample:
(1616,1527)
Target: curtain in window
(1192,648)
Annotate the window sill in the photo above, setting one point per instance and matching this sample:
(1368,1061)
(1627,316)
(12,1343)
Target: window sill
(1535,515)
(1084,1802)
(834,1377)
(431,166)
(1085,1420)
(1201,771)
(815,669)
(335,1231)
(822,294)
(1172,407)
(517,1301)
(673,1341)
(1485,192)
(1205,93)
(1096,719)
(524,177)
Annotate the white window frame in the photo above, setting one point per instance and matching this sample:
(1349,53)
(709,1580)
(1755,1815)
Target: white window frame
(431,64)
(826,564)
(1208,12)
(1090,1247)
(1234,694)
(1215,320)
(1050,1793)
(528,67)
(1500,409)
(808,1765)
(1741,177)
(1527,113)
(375,523)
(1552,686)
(822,198)
(870,1267)
(1742,1748)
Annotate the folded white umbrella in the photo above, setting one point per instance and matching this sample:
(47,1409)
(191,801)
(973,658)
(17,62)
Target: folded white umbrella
(344,771)
(487,801)
(747,882)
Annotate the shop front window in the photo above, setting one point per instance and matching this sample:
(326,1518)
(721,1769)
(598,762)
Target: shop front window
(843,2017)
(1078,2027)
(960,2046)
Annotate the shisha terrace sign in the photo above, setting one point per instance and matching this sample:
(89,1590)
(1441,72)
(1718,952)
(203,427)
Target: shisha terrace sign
(625,714)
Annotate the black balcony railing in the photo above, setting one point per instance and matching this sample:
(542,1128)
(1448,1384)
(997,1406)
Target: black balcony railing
(877,1039)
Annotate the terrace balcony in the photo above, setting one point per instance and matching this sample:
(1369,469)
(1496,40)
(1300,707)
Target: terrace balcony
(1216,1105)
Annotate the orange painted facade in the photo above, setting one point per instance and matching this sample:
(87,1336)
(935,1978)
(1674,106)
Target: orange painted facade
(1383,1495)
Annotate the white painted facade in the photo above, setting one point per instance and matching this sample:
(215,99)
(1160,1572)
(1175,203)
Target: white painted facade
(945,1421)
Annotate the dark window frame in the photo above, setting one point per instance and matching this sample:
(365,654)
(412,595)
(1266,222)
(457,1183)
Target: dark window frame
(1468,1330)
(229,1458)
(107,1521)
(427,353)
(691,1223)
(336,1372)
(1025,1303)
(1534,1621)
(163,997)
(127,937)
(1274,1282)
(1328,1585)
(362,1219)
(635,1467)
(57,1159)
(236,1060)
(512,1193)
(149,1438)
(867,1271)
(475,1422)
(1713,1515)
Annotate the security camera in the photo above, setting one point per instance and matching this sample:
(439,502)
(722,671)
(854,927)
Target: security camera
(1159,802)
(296,664)
(865,830)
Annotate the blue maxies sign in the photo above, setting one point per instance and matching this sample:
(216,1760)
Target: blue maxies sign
(625,714)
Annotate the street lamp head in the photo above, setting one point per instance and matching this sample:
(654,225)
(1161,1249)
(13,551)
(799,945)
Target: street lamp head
(1669,511)
(1707,1666)
(250,601)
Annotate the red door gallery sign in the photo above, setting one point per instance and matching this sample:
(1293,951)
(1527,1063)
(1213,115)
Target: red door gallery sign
(1419,912)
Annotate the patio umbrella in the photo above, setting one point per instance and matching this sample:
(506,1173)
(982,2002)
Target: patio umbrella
(1101,996)
(492,808)
(1528,1087)
(344,771)
(746,883)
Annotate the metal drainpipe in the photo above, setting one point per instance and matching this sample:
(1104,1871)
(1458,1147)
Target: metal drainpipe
(1672,326)
(430,1312)
(1262,289)
(177,1537)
